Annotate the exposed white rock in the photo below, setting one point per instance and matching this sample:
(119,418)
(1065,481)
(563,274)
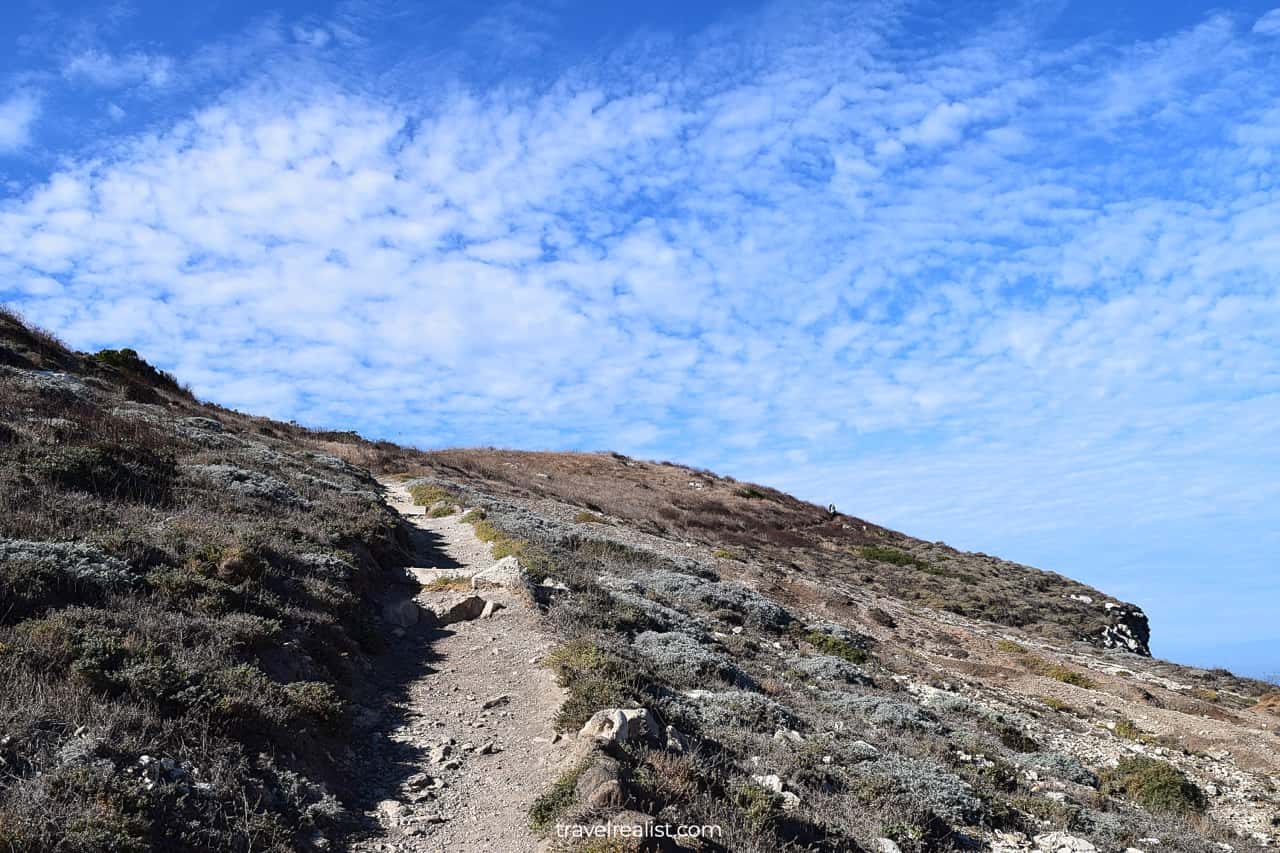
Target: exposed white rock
(506,574)
(769,781)
(1061,842)
(618,725)
(453,607)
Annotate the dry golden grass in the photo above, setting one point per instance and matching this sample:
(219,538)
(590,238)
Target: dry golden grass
(448,583)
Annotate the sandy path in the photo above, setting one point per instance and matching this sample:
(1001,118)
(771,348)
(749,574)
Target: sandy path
(446,772)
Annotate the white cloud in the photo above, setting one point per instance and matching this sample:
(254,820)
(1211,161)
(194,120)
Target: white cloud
(108,70)
(1268,24)
(944,123)
(18,114)
(316,37)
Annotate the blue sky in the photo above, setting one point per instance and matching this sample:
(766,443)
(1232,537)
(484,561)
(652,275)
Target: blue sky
(1006,276)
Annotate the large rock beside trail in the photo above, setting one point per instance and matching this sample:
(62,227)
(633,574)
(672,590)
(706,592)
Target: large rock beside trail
(447,608)
(600,785)
(619,725)
(506,574)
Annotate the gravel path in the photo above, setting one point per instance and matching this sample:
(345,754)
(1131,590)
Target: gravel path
(457,757)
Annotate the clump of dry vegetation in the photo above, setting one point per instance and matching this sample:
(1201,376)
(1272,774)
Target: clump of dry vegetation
(1058,672)
(448,583)
(1046,668)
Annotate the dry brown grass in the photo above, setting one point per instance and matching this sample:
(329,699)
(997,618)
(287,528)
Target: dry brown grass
(448,583)
(1270,703)
(672,778)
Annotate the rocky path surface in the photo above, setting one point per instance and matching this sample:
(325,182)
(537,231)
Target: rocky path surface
(463,744)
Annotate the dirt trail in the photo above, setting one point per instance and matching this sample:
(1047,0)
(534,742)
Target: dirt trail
(465,743)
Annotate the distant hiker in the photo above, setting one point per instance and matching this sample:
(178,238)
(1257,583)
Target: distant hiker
(831,510)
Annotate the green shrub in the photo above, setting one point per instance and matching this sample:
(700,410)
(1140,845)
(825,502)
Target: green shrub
(750,493)
(930,569)
(594,679)
(829,645)
(1010,647)
(760,808)
(588,695)
(1156,785)
(1059,705)
(486,532)
(188,590)
(1058,672)
(535,563)
(239,563)
(111,471)
(575,657)
(315,699)
(244,694)
(1129,730)
(605,549)
(883,554)
(114,817)
(474,516)
(442,511)
(585,517)
(556,800)
(425,494)
(1015,738)
(130,362)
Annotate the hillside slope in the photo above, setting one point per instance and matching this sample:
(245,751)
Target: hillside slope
(784,539)
(828,694)
(187,605)
(192,630)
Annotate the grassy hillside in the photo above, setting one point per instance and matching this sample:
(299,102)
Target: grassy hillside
(797,709)
(785,536)
(182,612)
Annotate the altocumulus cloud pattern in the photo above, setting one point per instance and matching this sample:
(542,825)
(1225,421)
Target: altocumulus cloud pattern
(1013,291)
